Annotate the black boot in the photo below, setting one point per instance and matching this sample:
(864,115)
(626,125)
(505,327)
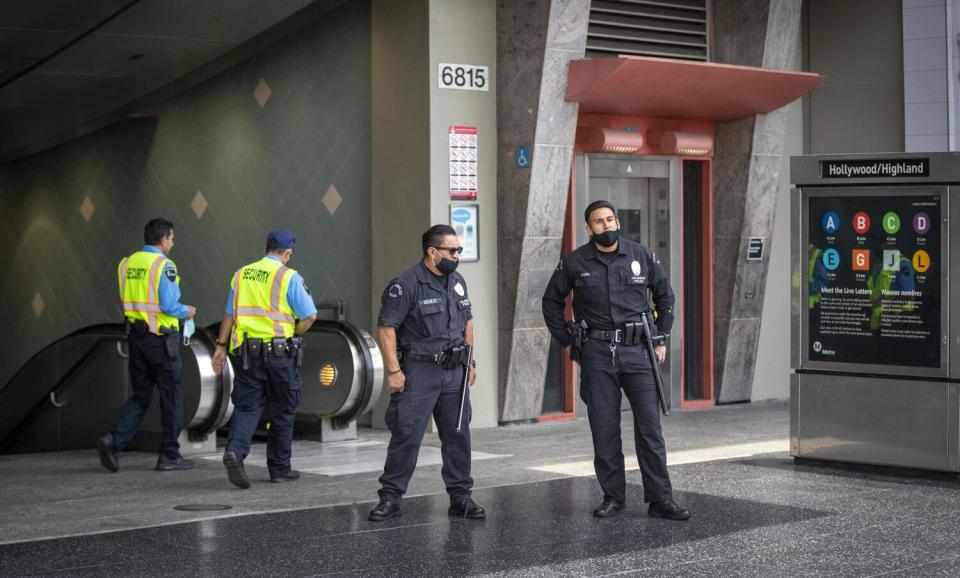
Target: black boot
(109,456)
(235,472)
(385,510)
(465,507)
(668,510)
(608,508)
(287,477)
(165,464)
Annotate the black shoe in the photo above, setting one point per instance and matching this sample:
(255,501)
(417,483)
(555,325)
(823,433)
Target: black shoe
(385,510)
(668,510)
(465,507)
(109,456)
(236,473)
(608,508)
(165,464)
(287,477)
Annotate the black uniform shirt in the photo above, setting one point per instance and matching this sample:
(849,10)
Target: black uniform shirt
(430,313)
(608,294)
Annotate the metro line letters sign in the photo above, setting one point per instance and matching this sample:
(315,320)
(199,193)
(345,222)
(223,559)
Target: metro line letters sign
(874,168)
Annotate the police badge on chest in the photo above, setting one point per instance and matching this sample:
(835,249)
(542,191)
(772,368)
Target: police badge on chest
(637,277)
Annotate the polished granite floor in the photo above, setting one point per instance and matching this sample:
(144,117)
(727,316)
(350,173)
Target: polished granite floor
(758,516)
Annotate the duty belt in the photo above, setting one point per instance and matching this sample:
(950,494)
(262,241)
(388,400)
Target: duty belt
(448,359)
(615,336)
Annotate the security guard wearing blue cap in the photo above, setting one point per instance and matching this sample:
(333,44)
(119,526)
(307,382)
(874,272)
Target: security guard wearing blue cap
(426,315)
(268,309)
(150,293)
(610,278)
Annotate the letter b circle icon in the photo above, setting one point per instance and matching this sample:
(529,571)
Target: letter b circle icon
(861,223)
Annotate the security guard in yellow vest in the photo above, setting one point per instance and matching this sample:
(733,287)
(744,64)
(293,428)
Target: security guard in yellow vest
(261,331)
(150,293)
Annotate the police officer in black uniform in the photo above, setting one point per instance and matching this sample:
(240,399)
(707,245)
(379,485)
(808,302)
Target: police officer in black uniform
(610,277)
(425,316)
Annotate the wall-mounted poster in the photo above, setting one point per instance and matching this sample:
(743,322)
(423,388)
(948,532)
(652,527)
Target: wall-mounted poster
(463,163)
(465,220)
(875,279)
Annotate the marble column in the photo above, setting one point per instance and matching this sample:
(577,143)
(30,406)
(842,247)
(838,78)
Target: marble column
(746,175)
(536,41)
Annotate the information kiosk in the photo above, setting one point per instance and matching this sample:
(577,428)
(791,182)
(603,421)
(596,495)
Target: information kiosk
(875,332)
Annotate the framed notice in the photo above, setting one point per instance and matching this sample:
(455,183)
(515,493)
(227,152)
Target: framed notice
(465,220)
(463,163)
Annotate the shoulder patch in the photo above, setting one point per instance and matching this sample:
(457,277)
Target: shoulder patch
(171,274)
(395,290)
(560,264)
(655,258)
(305,288)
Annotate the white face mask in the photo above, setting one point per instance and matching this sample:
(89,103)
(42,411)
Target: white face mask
(189,328)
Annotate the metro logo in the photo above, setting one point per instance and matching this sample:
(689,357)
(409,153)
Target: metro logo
(861,223)
(861,260)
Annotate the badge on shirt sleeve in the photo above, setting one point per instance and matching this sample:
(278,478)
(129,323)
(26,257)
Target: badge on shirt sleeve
(635,267)
(459,289)
(395,291)
(170,274)
(305,288)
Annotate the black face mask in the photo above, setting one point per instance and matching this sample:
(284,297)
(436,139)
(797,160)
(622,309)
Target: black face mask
(606,238)
(447,266)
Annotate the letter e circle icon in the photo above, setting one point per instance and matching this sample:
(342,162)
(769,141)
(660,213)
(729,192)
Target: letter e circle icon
(831,259)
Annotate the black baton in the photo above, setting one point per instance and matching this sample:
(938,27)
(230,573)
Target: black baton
(466,383)
(657,378)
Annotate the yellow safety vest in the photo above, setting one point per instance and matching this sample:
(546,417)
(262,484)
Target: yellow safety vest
(139,277)
(260,308)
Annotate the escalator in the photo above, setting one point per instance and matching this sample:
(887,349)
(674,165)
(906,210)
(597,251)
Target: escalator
(70,392)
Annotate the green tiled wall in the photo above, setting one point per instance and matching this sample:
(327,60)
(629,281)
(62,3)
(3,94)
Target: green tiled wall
(68,215)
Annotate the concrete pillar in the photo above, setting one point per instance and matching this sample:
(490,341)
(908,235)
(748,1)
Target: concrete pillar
(536,41)
(747,169)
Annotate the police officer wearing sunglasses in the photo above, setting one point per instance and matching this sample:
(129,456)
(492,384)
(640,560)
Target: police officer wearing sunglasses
(612,279)
(425,321)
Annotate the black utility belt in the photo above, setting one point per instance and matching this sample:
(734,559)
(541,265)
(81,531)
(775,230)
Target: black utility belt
(630,334)
(279,347)
(449,359)
(141,328)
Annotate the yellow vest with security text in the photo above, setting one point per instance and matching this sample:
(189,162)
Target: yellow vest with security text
(139,277)
(260,307)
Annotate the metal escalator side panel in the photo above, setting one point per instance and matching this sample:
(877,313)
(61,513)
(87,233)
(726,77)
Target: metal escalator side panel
(341,375)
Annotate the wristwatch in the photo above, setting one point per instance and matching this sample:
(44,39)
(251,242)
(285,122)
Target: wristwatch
(221,344)
(473,363)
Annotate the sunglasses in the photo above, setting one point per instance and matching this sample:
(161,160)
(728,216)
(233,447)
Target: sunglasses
(450,250)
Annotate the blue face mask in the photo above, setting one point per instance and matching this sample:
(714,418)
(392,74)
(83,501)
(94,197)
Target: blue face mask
(189,328)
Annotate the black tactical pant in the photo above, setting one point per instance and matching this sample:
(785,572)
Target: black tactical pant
(272,382)
(152,361)
(602,377)
(429,390)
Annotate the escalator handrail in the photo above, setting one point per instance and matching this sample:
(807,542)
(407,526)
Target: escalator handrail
(7,438)
(108,329)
